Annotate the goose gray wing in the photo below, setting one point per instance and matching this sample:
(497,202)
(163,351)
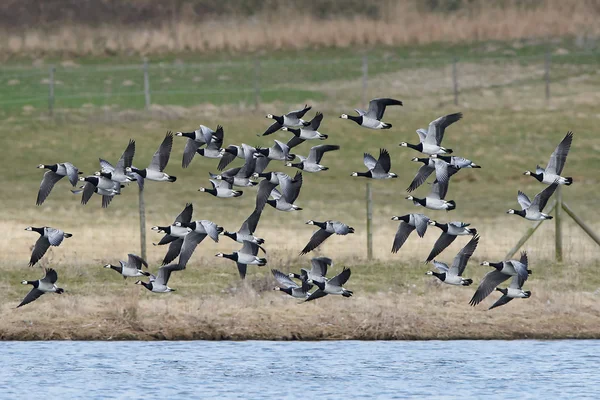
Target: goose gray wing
(264,191)
(72,173)
(261,164)
(173,251)
(126,158)
(515,283)
(284,280)
(275,126)
(369,161)
(50,276)
(421,176)
(315,122)
(300,113)
(521,270)
(443,267)
(295,141)
(490,281)
(377,107)
(316,153)
(436,130)
(403,232)
(136,261)
(33,295)
(316,295)
(55,236)
(541,199)
(250,162)
(319,266)
(291,191)
(523,200)
(440,245)
(162,155)
(282,149)
(501,301)
(340,278)
(422,135)
(211,229)
(242,268)
(88,191)
(189,151)
(441,170)
(217,138)
(186,214)
(438,190)
(190,241)
(340,228)
(164,273)
(249,248)
(384,163)
(422,222)
(106,167)
(166,239)
(524,259)
(226,159)
(49,180)
(250,224)
(41,246)
(462,258)
(559,156)
(106,200)
(315,240)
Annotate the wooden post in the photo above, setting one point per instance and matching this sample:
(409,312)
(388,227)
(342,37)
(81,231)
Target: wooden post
(146,84)
(369,222)
(365,79)
(256,83)
(558,225)
(455,79)
(142,208)
(547,76)
(580,222)
(51,90)
(528,234)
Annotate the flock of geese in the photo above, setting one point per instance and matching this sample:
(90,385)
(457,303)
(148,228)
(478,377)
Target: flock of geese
(280,191)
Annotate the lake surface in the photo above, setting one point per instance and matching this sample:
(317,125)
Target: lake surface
(300,370)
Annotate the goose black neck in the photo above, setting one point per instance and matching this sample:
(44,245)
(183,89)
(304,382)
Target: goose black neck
(296,132)
(321,225)
(34,283)
(232,150)
(166,229)
(503,291)
(539,177)
(443,227)
(53,167)
(445,158)
(118,269)
(92,179)
(418,147)
(266,175)
(424,160)
(233,256)
(367,174)
(231,235)
(287,290)
(211,191)
(106,174)
(190,135)
(521,213)
(272,203)
(358,119)
(440,275)
(498,265)
(38,230)
(140,172)
(278,118)
(294,275)
(420,201)
(320,285)
(299,165)
(405,218)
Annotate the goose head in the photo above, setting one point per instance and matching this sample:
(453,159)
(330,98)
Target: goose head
(344,116)
(354,174)
(138,282)
(24,282)
(29,228)
(202,189)
(403,144)
(409,197)
(429,273)
(510,211)
(310,222)
(107,266)
(41,166)
(485,263)
(269,116)
(527,173)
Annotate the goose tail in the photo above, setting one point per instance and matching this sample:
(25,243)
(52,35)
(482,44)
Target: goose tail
(569,181)
(60,291)
(466,282)
(172,178)
(386,126)
(347,293)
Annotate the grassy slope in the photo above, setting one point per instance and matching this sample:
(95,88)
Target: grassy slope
(393,296)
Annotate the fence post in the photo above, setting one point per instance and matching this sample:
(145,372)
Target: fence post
(256,83)
(369,222)
(146,84)
(51,90)
(142,208)
(455,79)
(547,76)
(365,79)
(558,225)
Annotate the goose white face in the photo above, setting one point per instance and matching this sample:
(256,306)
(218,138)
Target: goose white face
(310,222)
(97,173)
(414,159)
(285,128)
(429,273)
(433,156)
(511,211)
(23,282)
(403,144)
(354,174)
(128,169)
(486,263)
(107,266)
(270,116)
(219,255)
(432,222)
(29,228)
(41,166)
(202,189)
(409,197)
(177,223)
(344,116)
(291,275)
(138,282)
(81,178)
(179,134)
(288,164)
(277,288)
(527,173)
(395,218)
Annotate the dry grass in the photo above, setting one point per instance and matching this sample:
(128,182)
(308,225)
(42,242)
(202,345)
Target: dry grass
(401,23)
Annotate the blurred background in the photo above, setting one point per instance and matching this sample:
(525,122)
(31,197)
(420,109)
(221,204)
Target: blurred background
(79,78)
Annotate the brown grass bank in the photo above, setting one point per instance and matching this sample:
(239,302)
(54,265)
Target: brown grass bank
(146,27)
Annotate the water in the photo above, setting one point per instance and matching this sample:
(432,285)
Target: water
(300,370)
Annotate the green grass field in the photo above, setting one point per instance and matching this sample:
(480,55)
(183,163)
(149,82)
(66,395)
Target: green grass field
(507,128)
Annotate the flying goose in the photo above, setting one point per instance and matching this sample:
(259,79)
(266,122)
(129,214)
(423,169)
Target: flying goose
(533,210)
(308,132)
(117,173)
(45,285)
(409,223)
(503,270)
(290,287)
(241,175)
(311,163)
(201,136)
(449,233)
(326,229)
(174,234)
(514,291)
(48,237)
(453,275)
(222,188)
(247,255)
(213,149)
(457,162)
(158,284)
(430,140)
(555,165)
(200,230)
(278,152)
(107,170)
(317,272)
(247,229)
(284,200)
(443,171)
(88,189)
(54,174)
(229,154)
(331,286)
(131,268)
(378,169)
(154,172)
(291,119)
(372,117)
(435,199)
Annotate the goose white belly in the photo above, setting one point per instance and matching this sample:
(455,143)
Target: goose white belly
(435,204)
(309,135)
(431,149)
(371,123)
(130,272)
(515,293)
(534,215)
(550,178)
(156,175)
(453,280)
(330,289)
(244,258)
(178,231)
